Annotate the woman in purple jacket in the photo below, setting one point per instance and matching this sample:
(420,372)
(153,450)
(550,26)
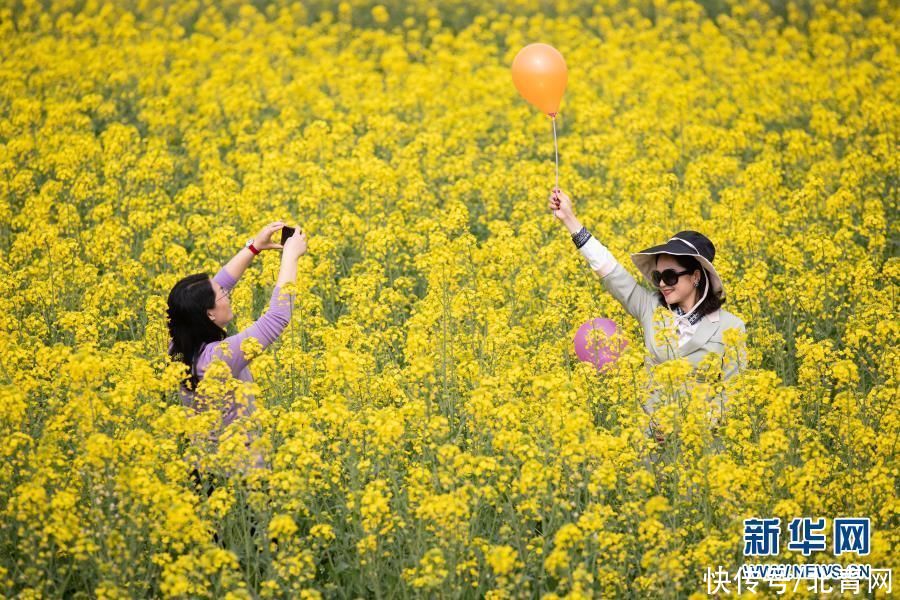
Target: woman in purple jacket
(200,308)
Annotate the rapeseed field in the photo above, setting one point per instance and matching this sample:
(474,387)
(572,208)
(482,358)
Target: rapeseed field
(427,429)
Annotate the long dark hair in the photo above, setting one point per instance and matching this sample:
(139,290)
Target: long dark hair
(189,325)
(712,302)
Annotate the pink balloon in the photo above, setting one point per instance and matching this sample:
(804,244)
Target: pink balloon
(597,348)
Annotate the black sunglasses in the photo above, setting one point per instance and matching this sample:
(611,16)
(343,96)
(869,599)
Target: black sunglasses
(669,276)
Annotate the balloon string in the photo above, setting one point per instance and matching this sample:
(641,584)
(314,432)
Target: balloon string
(556,151)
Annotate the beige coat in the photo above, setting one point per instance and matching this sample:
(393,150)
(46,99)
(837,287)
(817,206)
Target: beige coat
(641,303)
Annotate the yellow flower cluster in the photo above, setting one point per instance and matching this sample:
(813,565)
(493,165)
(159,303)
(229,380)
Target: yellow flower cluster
(426,427)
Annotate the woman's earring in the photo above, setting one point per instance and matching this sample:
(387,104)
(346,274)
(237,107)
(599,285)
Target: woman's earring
(696,284)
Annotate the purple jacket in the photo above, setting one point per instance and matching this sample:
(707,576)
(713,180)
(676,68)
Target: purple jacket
(266,329)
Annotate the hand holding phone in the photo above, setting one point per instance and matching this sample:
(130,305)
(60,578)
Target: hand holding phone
(293,245)
(263,239)
(286,232)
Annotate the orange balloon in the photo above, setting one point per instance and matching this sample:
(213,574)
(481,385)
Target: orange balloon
(540,75)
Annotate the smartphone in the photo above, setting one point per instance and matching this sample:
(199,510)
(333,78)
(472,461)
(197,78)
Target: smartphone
(286,232)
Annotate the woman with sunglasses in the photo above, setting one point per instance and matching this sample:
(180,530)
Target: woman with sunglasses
(199,308)
(681,270)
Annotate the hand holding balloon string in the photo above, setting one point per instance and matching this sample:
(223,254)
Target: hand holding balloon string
(561,206)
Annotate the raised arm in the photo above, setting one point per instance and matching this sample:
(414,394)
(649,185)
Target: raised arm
(266,329)
(636,299)
(224,278)
(269,326)
(229,274)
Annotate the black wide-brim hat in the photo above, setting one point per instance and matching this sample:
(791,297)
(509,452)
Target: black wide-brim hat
(683,243)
